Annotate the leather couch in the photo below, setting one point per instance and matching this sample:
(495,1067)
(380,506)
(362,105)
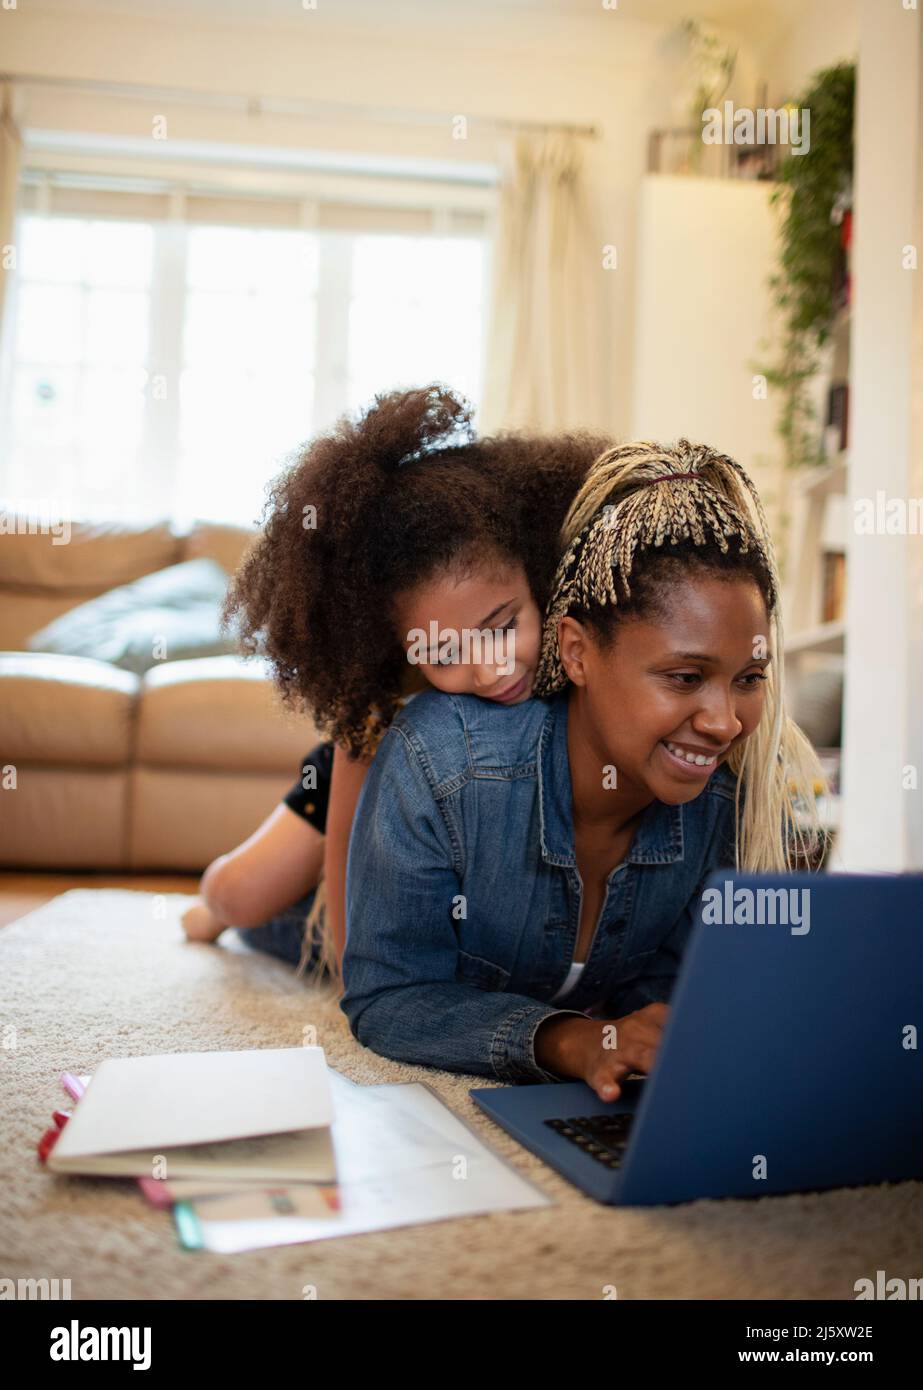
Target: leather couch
(103,769)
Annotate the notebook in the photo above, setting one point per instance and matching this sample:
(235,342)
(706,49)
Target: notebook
(263,1114)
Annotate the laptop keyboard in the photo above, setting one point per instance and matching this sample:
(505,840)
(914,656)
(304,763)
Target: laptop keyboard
(603,1137)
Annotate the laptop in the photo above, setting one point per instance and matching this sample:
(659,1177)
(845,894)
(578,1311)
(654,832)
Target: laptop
(792,1059)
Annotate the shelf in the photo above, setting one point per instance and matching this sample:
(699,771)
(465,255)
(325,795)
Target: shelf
(828,811)
(825,479)
(827,638)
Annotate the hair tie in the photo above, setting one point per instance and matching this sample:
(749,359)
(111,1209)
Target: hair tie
(446,444)
(665,478)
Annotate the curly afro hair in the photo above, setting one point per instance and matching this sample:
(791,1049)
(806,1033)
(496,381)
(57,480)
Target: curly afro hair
(372,509)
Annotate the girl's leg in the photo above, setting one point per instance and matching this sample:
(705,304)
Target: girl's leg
(283,935)
(274,868)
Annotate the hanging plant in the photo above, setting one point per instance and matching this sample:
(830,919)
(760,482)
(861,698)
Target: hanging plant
(713,66)
(813,189)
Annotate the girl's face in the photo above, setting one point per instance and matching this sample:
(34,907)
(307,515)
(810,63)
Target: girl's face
(691,684)
(474,634)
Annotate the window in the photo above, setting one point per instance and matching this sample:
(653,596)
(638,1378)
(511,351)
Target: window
(170,369)
(416,304)
(76,401)
(247,374)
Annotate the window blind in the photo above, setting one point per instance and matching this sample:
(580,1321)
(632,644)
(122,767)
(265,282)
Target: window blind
(65,198)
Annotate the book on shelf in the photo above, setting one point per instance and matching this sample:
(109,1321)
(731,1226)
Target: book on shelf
(834,586)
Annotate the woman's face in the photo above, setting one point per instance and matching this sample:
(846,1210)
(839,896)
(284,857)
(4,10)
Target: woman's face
(477,633)
(691,684)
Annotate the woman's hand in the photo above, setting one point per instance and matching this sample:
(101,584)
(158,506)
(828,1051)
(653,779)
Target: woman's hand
(600,1051)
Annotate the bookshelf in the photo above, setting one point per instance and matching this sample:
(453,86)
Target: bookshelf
(814,587)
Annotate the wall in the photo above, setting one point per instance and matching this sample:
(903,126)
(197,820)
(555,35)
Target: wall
(884,604)
(703,310)
(914,593)
(826,32)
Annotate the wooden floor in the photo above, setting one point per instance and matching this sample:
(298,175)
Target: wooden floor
(23,892)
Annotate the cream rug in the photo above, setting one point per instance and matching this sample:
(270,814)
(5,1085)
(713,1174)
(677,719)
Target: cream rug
(109,973)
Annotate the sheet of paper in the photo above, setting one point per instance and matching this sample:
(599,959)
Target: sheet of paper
(377,1131)
(404,1159)
(155,1103)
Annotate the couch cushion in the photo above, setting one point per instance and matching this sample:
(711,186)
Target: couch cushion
(66,818)
(171,615)
(84,558)
(65,709)
(224,544)
(22,614)
(183,818)
(221,712)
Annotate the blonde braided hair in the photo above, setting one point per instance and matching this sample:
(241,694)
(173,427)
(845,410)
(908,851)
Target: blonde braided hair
(635,498)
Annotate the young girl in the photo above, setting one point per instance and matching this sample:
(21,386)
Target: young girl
(519,879)
(398,524)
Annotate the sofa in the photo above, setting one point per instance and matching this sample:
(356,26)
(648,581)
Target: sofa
(103,768)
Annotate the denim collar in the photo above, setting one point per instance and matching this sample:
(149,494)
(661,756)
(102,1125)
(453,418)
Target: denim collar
(659,837)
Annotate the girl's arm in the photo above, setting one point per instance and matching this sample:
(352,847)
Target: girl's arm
(345,785)
(276,866)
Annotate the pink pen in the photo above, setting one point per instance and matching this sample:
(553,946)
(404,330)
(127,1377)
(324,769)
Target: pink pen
(73,1085)
(154,1189)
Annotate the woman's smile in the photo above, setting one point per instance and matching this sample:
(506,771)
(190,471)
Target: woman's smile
(682,763)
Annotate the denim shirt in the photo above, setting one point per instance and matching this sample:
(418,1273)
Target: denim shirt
(463,894)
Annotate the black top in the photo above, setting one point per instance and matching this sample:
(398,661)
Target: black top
(310,795)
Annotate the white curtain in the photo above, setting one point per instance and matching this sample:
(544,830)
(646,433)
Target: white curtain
(10,148)
(542,369)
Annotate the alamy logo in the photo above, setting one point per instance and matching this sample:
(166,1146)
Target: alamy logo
(765,126)
(472,646)
(888,516)
(36,518)
(890,1289)
(34,1288)
(756,907)
(76,1343)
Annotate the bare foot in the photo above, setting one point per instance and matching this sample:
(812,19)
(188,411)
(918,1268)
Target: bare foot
(201,925)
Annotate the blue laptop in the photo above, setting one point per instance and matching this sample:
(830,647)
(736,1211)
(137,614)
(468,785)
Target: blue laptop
(792,1059)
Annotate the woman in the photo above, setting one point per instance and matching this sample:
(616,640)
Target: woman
(512,870)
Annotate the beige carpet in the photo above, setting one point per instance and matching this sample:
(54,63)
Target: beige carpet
(99,974)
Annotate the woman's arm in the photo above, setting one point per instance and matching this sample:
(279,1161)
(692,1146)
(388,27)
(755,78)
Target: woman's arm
(346,783)
(403,996)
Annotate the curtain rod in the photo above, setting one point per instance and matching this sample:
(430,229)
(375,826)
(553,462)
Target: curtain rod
(257,106)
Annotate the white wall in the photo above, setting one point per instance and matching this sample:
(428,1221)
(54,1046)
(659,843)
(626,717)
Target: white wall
(914,598)
(703,308)
(884,604)
(826,32)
